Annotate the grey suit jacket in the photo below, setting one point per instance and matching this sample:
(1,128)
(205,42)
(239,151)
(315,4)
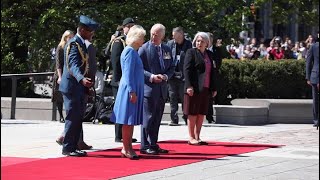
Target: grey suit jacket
(312,64)
(151,65)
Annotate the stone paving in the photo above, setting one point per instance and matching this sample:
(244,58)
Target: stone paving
(298,159)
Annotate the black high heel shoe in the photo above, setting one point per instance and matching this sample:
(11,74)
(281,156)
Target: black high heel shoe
(130,156)
(62,120)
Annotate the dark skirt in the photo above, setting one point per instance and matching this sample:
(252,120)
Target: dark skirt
(196,104)
(56,94)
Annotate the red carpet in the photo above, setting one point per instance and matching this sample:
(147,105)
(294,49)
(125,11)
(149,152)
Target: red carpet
(107,164)
(5,161)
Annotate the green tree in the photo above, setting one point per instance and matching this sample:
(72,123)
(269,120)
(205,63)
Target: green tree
(35,26)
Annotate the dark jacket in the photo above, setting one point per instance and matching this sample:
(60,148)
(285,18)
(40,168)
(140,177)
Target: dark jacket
(312,64)
(194,70)
(185,46)
(117,48)
(73,70)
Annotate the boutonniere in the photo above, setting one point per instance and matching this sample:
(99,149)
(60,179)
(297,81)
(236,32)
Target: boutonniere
(166,55)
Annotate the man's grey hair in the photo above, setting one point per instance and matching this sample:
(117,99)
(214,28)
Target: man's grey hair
(159,26)
(178,29)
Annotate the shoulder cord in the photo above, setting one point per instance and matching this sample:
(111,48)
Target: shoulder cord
(83,57)
(123,42)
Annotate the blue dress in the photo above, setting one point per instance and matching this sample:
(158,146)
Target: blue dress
(132,80)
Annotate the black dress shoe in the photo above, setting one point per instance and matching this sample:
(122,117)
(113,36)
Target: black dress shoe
(62,120)
(163,151)
(76,153)
(185,118)
(149,151)
(60,140)
(84,146)
(173,124)
(120,140)
(203,143)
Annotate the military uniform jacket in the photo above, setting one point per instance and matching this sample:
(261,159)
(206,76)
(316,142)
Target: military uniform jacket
(74,68)
(116,50)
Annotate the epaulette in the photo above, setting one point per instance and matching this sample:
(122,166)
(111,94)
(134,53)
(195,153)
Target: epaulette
(118,39)
(84,57)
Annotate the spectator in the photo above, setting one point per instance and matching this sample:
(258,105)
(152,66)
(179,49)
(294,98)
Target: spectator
(263,51)
(295,51)
(302,50)
(277,52)
(178,45)
(59,57)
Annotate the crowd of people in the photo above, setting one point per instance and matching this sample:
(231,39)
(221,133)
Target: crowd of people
(276,49)
(145,73)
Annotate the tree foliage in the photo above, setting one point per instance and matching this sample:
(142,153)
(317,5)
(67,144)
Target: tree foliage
(36,26)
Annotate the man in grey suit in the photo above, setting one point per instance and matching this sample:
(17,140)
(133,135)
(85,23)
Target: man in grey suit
(312,76)
(158,68)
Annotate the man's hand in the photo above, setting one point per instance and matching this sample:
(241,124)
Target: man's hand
(214,93)
(133,97)
(163,77)
(308,82)
(157,78)
(59,80)
(86,82)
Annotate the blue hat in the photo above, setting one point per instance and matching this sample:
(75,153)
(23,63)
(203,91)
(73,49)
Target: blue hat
(89,22)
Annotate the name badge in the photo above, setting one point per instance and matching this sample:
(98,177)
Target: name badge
(178,57)
(166,55)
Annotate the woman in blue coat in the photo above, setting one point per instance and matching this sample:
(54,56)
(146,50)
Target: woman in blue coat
(128,108)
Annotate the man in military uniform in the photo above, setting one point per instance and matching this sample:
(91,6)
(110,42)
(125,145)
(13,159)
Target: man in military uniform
(75,83)
(116,50)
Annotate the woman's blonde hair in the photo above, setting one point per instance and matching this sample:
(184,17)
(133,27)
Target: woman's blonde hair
(64,37)
(134,34)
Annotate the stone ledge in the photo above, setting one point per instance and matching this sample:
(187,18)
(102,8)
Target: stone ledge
(240,115)
(291,111)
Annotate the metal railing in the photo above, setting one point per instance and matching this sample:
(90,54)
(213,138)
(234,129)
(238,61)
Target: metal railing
(14,78)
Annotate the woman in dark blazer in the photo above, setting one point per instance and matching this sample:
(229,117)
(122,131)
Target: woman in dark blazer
(200,72)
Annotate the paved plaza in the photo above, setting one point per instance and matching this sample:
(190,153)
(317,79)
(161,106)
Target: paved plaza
(297,159)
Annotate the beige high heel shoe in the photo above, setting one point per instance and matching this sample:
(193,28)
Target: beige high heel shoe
(129,155)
